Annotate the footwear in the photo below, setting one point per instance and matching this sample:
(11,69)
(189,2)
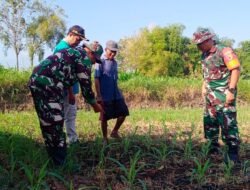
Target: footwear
(115,135)
(214,148)
(57,155)
(232,155)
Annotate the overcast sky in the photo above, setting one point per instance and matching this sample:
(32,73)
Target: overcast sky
(113,19)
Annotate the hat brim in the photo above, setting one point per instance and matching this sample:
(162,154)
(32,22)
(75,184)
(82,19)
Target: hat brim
(113,49)
(88,46)
(81,36)
(97,58)
(208,37)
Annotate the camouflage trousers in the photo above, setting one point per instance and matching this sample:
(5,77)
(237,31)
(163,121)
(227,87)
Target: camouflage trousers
(224,118)
(49,107)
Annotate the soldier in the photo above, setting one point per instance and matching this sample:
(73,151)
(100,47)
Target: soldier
(221,71)
(47,84)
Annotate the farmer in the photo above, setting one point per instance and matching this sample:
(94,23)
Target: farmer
(108,93)
(221,72)
(47,84)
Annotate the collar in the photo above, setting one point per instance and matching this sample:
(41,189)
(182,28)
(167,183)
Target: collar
(212,50)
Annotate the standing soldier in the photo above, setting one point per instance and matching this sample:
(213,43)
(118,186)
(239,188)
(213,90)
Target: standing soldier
(47,84)
(221,71)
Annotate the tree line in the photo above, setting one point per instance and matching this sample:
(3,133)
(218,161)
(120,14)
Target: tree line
(33,25)
(164,51)
(30,25)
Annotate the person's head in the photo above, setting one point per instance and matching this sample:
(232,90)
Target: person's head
(111,49)
(94,51)
(75,35)
(204,39)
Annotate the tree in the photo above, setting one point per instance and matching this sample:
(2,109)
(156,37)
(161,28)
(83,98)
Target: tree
(12,25)
(48,28)
(227,41)
(31,24)
(244,56)
(158,51)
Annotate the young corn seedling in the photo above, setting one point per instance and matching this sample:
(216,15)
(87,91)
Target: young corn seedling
(228,169)
(12,164)
(102,157)
(188,147)
(35,179)
(131,172)
(205,149)
(126,142)
(246,168)
(161,152)
(199,172)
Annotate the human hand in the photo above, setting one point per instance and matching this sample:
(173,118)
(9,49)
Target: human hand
(97,108)
(229,98)
(99,100)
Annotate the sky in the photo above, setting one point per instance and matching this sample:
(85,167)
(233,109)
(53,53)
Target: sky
(105,20)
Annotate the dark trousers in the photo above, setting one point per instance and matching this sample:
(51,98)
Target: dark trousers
(49,108)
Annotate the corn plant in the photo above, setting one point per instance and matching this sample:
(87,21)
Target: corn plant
(101,156)
(188,147)
(160,152)
(35,179)
(131,172)
(58,176)
(126,142)
(12,163)
(199,172)
(205,149)
(246,168)
(228,168)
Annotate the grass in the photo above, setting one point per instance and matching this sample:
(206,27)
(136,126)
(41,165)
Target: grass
(139,90)
(160,149)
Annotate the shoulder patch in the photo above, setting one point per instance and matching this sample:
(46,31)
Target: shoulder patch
(230,58)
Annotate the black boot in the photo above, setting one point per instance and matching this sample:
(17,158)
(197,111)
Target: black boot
(57,155)
(214,148)
(232,155)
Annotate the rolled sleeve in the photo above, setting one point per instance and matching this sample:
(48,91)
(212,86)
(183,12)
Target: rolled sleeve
(84,78)
(97,73)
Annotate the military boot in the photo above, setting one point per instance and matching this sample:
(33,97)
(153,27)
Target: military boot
(232,155)
(57,155)
(214,148)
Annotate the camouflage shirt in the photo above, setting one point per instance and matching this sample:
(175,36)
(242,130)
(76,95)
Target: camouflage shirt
(217,65)
(62,70)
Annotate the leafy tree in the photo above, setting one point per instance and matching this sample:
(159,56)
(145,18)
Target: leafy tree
(48,28)
(30,20)
(191,56)
(13,24)
(134,51)
(227,41)
(158,51)
(244,55)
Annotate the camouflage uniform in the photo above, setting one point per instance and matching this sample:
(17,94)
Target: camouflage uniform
(216,65)
(47,84)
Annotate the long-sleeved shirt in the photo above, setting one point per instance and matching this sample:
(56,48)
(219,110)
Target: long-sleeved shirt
(62,70)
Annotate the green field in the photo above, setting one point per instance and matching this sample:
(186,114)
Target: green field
(160,149)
